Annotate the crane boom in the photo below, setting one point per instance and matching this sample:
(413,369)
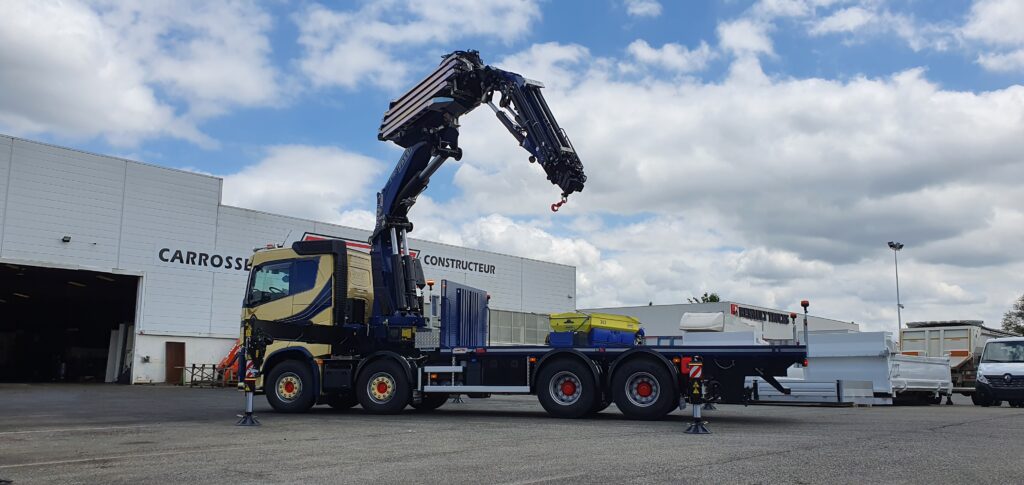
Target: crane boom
(424,121)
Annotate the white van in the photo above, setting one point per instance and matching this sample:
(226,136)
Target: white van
(1001,373)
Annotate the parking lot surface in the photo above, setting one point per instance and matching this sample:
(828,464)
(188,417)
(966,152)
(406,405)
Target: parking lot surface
(154,434)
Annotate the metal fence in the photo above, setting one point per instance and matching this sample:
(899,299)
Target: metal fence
(509,328)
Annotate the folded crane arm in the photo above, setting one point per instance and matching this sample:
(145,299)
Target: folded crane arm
(425,121)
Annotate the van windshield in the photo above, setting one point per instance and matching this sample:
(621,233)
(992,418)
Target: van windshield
(1004,352)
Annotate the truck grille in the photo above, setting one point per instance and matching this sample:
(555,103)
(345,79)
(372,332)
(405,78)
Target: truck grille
(998,381)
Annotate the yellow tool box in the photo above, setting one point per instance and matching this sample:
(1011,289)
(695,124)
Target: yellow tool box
(583,322)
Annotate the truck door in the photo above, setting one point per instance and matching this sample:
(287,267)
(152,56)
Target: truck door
(312,287)
(293,291)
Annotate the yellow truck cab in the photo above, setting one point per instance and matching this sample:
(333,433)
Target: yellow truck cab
(297,286)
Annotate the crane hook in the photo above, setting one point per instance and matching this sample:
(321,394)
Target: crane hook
(557,205)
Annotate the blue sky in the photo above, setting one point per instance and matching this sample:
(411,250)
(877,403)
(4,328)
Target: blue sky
(763,149)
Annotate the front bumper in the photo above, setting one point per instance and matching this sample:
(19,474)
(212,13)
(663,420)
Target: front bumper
(1002,393)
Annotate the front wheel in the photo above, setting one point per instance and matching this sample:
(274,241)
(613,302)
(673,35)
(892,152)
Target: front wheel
(982,398)
(566,389)
(382,388)
(289,387)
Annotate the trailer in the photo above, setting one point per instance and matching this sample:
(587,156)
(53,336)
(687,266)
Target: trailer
(961,341)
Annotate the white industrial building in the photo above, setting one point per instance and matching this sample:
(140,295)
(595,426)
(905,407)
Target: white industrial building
(108,267)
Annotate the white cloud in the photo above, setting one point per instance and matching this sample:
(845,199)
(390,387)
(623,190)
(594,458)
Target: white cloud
(845,20)
(121,71)
(770,9)
(745,36)
(499,233)
(643,8)
(349,47)
(671,56)
(996,22)
(314,182)
(775,265)
(1008,62)
(557,64)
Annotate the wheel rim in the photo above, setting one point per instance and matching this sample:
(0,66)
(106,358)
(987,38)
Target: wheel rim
(289,387)
(381,387)
(565,388)
(642,389)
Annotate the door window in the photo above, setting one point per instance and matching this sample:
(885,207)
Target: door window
(276,280)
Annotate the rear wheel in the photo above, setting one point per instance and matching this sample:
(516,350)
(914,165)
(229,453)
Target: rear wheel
(566,388)
(643,389)
(289,387)
(1017,404)
(431,401)
(383,388)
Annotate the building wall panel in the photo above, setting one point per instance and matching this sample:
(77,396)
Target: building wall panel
(55,192)
(547,287)
(6,147)
(174,211)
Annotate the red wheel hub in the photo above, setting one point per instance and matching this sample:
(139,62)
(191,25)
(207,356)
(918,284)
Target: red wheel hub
(382,387)
(568,388)
(644,389)
(289,387)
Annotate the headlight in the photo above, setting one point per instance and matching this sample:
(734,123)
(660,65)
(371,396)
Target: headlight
(982,379)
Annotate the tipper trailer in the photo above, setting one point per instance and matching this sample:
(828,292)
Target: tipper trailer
(326,324)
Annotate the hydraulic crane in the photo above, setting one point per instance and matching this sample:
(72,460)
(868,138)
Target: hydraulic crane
(425,121)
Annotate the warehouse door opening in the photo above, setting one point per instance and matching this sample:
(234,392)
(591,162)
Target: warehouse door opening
(62,325)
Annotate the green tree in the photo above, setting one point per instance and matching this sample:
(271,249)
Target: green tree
(705,298)
(1013,319)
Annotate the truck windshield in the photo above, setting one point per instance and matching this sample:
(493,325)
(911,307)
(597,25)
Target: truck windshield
(1004,352)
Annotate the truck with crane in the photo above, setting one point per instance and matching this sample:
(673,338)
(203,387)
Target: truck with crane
(325,324)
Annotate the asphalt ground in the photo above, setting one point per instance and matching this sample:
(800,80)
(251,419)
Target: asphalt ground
(155,434)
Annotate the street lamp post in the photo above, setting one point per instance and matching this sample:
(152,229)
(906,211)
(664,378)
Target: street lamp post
(896,246)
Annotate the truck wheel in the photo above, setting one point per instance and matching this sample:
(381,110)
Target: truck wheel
(1017,404)
(383,388)
(431,401)
(342,401)
(289,387)
(981,398)
(566,389)
(643,389)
